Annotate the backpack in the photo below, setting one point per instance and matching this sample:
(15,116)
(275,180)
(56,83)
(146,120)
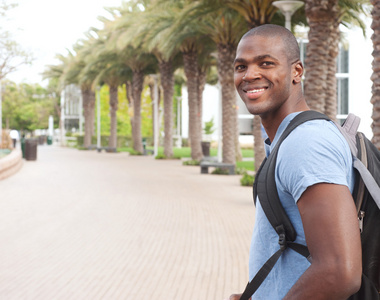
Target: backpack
(366,194)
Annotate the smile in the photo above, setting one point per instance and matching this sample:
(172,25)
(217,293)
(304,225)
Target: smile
(255,91)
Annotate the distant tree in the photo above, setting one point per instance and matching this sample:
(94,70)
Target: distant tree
(27,107)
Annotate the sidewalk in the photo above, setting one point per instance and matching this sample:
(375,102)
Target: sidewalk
(87,225)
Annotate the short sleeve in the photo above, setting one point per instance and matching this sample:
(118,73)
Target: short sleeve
(315,152)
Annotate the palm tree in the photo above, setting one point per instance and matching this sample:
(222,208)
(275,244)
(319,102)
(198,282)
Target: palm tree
(74,74)
(189,42)
(376,73)
(141,63)
(146,32)
(255,13)
(224,27)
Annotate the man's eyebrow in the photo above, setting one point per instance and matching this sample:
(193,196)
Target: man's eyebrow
(255,59)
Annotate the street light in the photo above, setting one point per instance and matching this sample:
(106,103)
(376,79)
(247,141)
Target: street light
(288,8)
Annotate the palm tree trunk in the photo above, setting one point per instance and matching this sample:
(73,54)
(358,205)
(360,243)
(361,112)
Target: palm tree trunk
(331,97)
(258,143)
(375,100)
(112,143)
(87,116)
(321,15)
(92,112)
(191,71)
(226,56)
(202,77)
(167,82)
(129,94)
(137,87)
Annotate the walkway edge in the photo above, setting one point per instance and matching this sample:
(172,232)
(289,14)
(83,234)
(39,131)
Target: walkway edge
(10,164)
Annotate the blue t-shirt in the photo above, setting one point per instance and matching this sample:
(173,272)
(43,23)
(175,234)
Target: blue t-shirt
(314,152)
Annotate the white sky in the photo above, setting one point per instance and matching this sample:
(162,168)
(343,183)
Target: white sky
(49,27)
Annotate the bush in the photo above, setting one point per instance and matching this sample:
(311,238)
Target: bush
(191,163)
(247,180)
(220,171)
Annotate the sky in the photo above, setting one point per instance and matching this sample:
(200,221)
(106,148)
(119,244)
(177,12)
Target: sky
(49,27)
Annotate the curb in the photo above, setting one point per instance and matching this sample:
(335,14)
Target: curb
(10,164)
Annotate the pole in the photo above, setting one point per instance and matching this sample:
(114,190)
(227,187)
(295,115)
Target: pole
(288,17)
(155,112)
(179,109)
(98,144)
(62,129)
(220,124)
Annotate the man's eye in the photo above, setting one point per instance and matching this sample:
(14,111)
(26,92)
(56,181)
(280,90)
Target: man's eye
(239,68)
(267,63)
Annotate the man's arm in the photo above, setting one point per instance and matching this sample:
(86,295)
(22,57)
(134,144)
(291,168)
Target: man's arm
(332,235)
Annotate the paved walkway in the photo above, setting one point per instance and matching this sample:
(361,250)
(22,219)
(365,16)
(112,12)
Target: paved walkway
(87,225)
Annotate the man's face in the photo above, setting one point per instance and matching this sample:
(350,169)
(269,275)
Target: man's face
(262,74)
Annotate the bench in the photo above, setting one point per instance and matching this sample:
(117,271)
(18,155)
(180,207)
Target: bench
(206,164)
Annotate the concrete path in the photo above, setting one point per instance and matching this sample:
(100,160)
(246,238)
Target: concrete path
(87,225)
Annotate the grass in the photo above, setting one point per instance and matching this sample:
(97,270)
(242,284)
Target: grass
(185,152)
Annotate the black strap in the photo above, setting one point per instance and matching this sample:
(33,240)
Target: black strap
(266,189)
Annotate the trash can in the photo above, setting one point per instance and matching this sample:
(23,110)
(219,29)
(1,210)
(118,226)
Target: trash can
(49,140)
(205,148)
(31,149)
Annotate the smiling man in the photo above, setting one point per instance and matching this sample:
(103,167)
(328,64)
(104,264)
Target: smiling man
(314,177)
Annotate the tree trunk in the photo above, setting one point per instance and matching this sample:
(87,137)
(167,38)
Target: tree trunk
(375,100)
(202,77)
(331,97)
(167,82)
(226,56)
(86,91)
(92,112)
(112,143)
(137,87)
(129,94)
(195,135)
(258,143)
(321,15)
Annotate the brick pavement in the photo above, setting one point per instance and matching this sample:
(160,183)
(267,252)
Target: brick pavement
(83,225)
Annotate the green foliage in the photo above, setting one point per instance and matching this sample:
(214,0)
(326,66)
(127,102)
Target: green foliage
(220,171)
(124,113)
(28,107)
(247,180)
(191,163)
(209,127)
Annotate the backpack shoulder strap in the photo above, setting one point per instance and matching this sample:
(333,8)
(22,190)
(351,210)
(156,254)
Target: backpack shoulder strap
(349,130)
(266,189)
(266,184)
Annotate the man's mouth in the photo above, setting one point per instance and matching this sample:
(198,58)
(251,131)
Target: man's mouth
(254,91)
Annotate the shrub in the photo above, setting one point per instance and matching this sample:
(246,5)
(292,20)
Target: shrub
(247,180)
(220,171)
(191,163)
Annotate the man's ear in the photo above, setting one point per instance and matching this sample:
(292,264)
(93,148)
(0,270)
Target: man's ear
(297,72)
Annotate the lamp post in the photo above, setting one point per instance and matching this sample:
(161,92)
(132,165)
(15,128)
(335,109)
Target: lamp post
(288,8)
(98,136)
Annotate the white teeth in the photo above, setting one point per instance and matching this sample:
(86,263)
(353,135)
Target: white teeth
(255,91)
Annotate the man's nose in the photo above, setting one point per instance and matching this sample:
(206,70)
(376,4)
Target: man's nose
(252,73)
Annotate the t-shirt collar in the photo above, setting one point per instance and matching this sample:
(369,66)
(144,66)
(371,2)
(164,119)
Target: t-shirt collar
(270,145)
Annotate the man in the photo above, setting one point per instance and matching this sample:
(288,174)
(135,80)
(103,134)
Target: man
(14,136)
(314,177)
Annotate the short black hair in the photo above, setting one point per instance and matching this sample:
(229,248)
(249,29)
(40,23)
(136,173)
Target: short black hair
(292,49)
